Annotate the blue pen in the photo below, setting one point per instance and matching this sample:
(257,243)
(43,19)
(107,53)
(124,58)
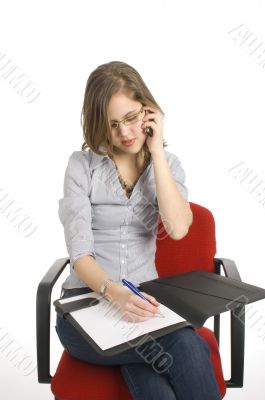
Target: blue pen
(136,291)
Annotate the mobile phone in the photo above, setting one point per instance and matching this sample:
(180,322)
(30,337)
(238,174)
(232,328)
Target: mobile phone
(149,131)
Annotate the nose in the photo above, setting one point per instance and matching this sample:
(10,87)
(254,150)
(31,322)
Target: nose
(123,130)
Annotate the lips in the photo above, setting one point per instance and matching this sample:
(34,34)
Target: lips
(128,142)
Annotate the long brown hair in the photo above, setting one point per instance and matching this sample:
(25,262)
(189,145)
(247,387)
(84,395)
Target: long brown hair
(106,80)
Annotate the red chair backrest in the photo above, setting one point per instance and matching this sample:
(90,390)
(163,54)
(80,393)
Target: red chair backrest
(194,251)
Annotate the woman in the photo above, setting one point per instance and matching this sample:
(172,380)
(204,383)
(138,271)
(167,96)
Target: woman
(114,196)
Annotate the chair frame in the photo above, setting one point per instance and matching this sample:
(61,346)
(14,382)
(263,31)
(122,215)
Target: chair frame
(43,310)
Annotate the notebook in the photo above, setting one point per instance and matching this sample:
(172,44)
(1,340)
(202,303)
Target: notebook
(102,325)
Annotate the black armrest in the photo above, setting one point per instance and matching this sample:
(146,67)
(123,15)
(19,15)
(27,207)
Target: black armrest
(43,307)
(237,326)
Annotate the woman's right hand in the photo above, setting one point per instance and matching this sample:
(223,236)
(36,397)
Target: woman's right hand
(131,306)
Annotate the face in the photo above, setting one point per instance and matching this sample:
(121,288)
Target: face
(120,107)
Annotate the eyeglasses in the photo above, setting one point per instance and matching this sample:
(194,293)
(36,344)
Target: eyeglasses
(129,120)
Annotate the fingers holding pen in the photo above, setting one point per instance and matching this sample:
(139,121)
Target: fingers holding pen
(146,306)
(152,299)
(137,309)
(134,304)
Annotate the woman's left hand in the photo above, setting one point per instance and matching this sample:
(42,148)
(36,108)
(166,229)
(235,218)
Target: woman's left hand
(154,119)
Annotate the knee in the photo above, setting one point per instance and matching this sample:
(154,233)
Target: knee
(192,342)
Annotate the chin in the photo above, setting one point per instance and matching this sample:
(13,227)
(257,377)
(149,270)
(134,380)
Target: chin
(133,149)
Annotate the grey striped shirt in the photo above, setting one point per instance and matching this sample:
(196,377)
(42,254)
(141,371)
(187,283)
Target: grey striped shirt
(100,220)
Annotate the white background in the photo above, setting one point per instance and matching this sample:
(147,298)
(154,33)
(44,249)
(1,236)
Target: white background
(212,92)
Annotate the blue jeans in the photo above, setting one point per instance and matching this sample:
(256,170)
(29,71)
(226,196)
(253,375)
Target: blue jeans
(188,374)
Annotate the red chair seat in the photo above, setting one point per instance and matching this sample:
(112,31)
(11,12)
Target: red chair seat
(77,380)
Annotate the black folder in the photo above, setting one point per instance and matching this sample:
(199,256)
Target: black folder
(195,296)
(65,309)
(200,294)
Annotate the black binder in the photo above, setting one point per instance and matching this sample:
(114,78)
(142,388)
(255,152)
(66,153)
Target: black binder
(195,296)
(200,294)
(65,309)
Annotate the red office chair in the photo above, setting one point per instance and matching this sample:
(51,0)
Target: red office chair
(77,380)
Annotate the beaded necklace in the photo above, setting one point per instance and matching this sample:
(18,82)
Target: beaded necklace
(129,188)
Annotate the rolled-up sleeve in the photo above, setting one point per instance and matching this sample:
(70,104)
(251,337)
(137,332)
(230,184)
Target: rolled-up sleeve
(75,208)
(179,176)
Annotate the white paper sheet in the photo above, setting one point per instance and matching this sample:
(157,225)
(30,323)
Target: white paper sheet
(105,325)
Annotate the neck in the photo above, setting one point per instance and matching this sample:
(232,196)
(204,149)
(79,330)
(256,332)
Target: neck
(129,160)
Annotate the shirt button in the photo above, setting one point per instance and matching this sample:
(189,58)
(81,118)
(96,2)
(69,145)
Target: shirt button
(124,232)
(122,261)
(123,245)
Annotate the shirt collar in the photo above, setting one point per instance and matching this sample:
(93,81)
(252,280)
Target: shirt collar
(96,159)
